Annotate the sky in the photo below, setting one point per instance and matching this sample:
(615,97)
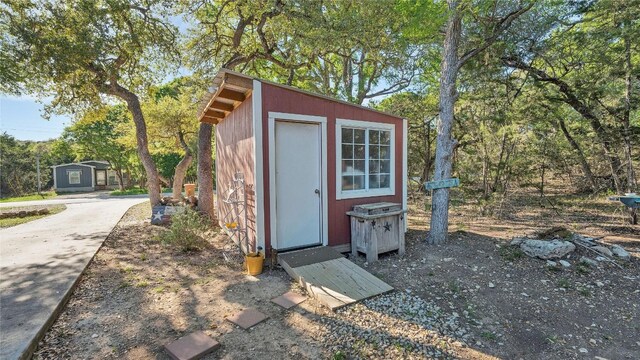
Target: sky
(22,118)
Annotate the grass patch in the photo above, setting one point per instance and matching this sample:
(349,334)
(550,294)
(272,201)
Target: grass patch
(30,197)
(584,291)
(489,336)
(564,283)
(5,223)
(583,269)
(511,253)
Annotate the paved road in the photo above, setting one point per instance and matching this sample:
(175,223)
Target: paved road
(40,261)
(75,199)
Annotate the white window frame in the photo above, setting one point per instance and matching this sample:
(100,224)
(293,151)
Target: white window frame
(69,172)
(366,192)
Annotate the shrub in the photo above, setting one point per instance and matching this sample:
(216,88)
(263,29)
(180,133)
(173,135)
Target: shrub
(184,231)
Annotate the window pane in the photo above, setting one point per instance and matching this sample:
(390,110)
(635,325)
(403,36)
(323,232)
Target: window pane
(384,181)
(385,137)
(347,151)
(358,167)
(384,152)
(347,167)
(347,135)
(358,182)
(374,152)
(358,136)
(374,181)
(374,166)
(374,137)
(385,166)
(347,183)
(358,152)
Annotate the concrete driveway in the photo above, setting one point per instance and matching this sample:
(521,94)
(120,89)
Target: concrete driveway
(41,261)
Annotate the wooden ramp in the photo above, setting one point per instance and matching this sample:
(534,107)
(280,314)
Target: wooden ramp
(330,277)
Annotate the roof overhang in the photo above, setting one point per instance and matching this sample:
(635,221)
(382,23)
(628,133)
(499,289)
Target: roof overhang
(230,89)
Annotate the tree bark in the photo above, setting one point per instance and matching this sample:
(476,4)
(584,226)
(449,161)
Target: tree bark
(205,170)
(133,104)
(120,180)
(626,117)
(439,229)
(181,168)
(586,169)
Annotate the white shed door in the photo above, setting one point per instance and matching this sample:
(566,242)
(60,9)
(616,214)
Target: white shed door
(298,183)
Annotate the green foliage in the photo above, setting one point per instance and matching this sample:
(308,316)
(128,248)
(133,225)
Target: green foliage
(510,253)
(78,50)
(18,163)
(98,134)
(185,230)
(350,50)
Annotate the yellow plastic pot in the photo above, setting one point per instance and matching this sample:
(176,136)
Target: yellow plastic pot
(254,263)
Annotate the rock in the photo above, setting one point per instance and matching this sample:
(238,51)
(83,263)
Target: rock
(551,263)
(599,283)
(601,258)
(620,252)
(602,250)
(546,250)
(94,336)
(565,263)
(583,350)
(518,240)
(492,285)
(588,261)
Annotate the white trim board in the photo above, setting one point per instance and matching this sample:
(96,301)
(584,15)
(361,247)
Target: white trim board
(273,116)
(369,125)
(405,173)
(258,164)
(79,164)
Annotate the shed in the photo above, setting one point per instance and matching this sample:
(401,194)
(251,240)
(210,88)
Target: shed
(306,160)
(88,175)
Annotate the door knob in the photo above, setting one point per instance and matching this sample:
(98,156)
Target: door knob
(317,191)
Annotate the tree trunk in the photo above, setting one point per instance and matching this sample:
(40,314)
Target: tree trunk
(181,168)
(133,104)
(120,182)
(500,164)
(445,143)
(586,169)
(626,128)
(205,171)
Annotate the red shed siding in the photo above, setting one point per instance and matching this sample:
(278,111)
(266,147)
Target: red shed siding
(235,153)
(278,99)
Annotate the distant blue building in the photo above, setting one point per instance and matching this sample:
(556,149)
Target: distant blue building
(84,176)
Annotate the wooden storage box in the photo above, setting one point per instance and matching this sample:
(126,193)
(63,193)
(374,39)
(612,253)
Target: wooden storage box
(376,229)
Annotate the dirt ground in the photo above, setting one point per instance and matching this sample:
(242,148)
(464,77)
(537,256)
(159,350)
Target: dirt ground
(474,297)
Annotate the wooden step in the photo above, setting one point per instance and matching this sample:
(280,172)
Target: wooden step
(328,276)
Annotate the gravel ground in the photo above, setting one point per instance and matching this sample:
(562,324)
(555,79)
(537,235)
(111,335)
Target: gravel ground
(474,297)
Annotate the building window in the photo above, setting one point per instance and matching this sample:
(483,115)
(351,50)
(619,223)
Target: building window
(74,176)
(365,157)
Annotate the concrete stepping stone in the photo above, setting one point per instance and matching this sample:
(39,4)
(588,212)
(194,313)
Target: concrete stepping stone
(191,347)
(289,299)
(247,318)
